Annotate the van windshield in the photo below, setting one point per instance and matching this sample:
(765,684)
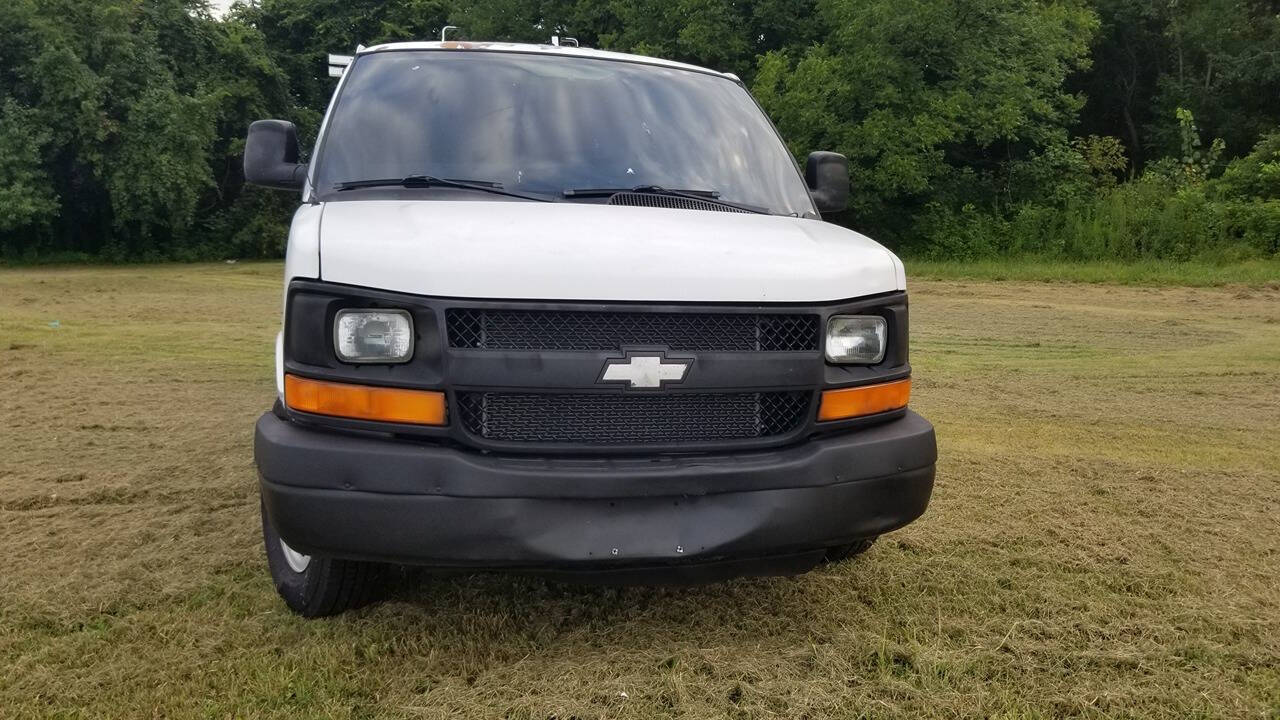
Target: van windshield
(549,124)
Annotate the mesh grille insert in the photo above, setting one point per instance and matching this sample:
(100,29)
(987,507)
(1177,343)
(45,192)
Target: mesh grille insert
(480,329)
(599,419)
(667,201)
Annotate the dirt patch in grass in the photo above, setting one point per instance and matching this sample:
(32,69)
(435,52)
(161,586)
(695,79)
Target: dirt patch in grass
(1102,541)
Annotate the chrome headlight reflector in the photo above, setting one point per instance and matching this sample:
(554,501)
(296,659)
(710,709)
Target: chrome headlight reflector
(856,339)
(373,336)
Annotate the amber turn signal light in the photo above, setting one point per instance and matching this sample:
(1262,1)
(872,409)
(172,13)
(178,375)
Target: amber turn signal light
(866,400)
(361,402)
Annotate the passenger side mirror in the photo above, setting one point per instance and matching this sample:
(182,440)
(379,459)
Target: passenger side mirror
(271,156)
(827,174)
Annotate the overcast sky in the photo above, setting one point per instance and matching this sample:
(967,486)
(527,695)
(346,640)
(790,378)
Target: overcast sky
(220,6)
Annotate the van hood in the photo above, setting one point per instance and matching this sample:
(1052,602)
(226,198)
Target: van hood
(573,251)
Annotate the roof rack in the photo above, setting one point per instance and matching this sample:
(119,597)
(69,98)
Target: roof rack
(338,64)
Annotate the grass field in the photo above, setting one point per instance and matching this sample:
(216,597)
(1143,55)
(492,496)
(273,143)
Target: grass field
(1263,273)
(1104,538)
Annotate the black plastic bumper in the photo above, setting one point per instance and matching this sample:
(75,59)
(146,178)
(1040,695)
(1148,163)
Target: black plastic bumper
(758,512)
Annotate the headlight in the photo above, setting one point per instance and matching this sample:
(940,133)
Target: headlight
(373,336)
(856,339)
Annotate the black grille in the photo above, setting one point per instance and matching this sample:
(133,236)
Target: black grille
(480,329)
(668,201)
(597,419)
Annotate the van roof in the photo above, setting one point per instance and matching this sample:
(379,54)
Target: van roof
(464,45)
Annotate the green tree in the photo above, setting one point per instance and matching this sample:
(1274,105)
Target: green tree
(726,35)
(1218,58)
(974,126)
(930,99)
(120,123)
(1223,65)
(27,198)
(299,35)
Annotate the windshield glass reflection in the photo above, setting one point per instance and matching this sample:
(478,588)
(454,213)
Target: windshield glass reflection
(546,124)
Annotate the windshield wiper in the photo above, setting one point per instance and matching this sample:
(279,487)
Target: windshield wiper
(651,189)
(426,181)
(712,196)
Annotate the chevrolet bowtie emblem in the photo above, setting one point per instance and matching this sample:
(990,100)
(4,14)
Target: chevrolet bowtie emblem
(645,371)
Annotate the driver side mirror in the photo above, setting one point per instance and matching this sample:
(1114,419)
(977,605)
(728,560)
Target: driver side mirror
(271,156)
(827,175)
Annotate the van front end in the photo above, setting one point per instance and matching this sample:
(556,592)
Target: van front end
(543,368)
(599,436)
(631,442)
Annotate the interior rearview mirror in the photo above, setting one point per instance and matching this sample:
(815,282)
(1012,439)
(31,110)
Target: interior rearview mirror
(271,155)
(827,174)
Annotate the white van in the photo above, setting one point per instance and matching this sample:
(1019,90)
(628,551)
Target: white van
(573,312)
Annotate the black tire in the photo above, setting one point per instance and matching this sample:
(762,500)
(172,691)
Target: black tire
(327,586)
(848,550)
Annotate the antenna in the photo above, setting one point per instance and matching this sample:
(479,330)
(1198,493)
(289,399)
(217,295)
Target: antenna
(446,29)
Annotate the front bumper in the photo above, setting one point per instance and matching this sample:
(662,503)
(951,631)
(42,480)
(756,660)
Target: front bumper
(766,511)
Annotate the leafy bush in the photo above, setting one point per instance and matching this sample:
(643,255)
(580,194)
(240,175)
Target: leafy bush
(1075,210)
(1256,175)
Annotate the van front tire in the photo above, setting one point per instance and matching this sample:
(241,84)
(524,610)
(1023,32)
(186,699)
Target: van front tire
(314,586)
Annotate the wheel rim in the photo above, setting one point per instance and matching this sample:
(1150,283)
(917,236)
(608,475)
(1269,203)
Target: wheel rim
(296,560)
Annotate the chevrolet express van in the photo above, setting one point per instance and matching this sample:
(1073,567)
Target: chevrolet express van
(559,310)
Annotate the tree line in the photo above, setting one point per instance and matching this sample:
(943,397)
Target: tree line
(975,128)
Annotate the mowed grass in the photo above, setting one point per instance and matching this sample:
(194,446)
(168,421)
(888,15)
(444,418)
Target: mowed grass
(1104,538)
